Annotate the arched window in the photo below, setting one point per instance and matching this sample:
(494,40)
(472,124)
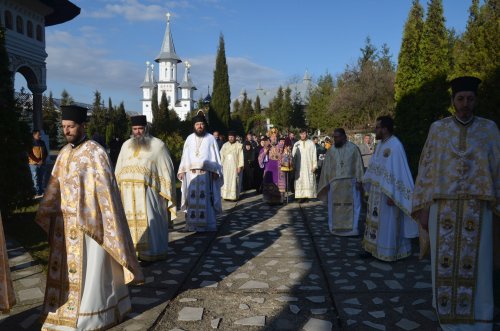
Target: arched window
(29,29)
(19,24)
(39,34)
(8,19)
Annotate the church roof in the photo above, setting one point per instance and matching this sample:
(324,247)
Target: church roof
(63,11)
(167,51)
(148,79)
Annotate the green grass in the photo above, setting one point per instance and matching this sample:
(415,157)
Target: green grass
(21,227)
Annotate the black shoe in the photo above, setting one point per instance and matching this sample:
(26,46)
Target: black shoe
(365,255)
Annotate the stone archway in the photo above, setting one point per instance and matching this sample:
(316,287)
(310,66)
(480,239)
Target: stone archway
(34,73)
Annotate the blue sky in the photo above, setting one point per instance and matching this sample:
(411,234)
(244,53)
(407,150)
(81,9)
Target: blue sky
(268,42)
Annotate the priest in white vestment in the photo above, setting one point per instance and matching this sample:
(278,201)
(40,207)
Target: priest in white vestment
(388,181)
(231,155)
(305,164)
(92,256)
(200,171)
(7,295)
(457,198)
(146,178)
(340,185)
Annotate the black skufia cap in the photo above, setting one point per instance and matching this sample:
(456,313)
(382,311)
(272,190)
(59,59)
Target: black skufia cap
(138,120)
(200,117)
(74,113)
(465,83)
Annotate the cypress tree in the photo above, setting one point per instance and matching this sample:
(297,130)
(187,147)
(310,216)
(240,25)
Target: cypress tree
(285,112)
(221,96)
(17,188)
(160,121)
(408,60)
(155,108)
(257,106)
(98,121)
(122,122)
(417,109)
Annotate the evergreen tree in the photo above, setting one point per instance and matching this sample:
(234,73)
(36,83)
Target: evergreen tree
(155,108)
(416,110)
(433,48)
(160,121)
(407,75)
(236,107)
(297,119)
(257,106)
(17,188)
(285,112)
(66,98)
(319,102)
(221,95)
(275,106)
(98,121)
(122,122)
(51,120)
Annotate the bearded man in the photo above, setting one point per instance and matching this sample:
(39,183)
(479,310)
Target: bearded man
(340,185)
(146,177)
(92,256)
(200,171)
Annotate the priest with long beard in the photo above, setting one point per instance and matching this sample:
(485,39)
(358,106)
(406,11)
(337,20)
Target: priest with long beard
(92,256)
(200,171)
(146,177)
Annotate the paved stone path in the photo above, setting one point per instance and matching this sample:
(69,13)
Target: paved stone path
(272,268)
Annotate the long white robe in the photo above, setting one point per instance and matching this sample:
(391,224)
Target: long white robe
(201,196)
(389,228)
(342,169)
(146,179)
(231,159)
(459,181)
(305,162)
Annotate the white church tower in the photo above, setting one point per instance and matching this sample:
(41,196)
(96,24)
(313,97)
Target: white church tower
(167,60)
(180,97)
(148,87)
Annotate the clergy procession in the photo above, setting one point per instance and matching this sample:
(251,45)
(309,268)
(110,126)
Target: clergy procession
(107,226)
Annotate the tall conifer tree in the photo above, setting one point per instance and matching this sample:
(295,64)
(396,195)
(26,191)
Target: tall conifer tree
(221,96)
(408,60)
(417,109)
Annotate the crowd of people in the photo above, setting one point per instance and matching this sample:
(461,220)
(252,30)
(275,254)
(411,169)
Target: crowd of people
(101,221)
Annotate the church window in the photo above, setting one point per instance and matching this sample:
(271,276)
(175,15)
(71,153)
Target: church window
(29,29)
(39,35)
(19,24)
(8,20)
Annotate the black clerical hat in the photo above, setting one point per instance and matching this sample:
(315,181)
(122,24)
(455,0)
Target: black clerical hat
(231,133)
(138,120)
(464,83)
(74,113)
(200,117)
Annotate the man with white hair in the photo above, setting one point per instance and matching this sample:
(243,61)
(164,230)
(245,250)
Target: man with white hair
(146,177)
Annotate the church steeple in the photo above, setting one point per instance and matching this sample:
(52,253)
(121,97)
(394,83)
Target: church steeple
(167,51)
(187,83)
(148,83)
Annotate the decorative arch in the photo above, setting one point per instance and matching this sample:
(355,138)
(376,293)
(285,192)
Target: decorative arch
(19,24)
